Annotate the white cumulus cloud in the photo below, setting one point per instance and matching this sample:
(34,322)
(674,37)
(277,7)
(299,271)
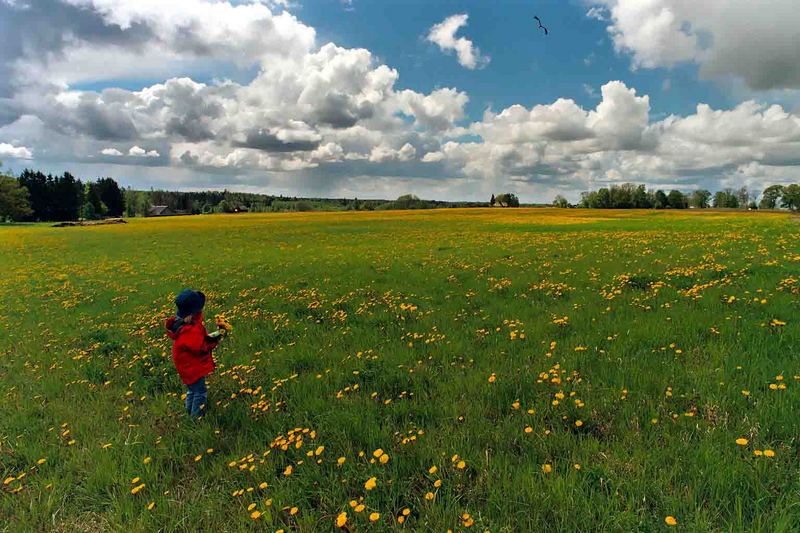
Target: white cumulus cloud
(17,152)
(137,151)
(752,41)
(443,35)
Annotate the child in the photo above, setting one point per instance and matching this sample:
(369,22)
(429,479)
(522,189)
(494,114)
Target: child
(191,351)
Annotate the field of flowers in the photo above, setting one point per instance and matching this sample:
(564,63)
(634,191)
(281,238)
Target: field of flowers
(464,370)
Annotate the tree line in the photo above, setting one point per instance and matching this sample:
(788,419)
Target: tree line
(35,196)
(632,196)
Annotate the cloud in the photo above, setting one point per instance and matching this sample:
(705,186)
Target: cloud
(752,41)
(444,36)
(433,157)
(597,13)
(438,110)
(71,41)
(17,152)
(136,151)
(112,152)
(383,154)
(566,147)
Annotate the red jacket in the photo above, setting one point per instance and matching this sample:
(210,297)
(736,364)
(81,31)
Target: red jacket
(191,351)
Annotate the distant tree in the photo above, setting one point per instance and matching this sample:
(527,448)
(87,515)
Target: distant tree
(491,201)
(67,197)
(560,201)
(677,200)
(700,199)
(660,200)
(14,203)
(603,198)
(507,199)
(752,205)
(130,202)
(52,197)
(620,197)
(640,198)
(406,201)
(770,197)
(88,211)
(38,193)
(791,197)
(743,197)
(726,198)
(92,197)
(111,195)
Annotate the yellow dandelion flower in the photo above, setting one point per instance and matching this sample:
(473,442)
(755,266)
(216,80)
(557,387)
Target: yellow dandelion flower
(742,441)
(341,520)
(374,517)
(670,521)
(371,483)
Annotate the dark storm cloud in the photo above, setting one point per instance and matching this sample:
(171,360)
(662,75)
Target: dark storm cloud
(269,142)
(43,27)
(191,109)
(9,111)
(103,121)
(337,110)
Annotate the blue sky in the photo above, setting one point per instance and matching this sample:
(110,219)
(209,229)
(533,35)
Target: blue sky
(246,95)
(526,67)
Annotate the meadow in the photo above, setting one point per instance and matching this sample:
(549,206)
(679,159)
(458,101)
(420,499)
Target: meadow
(466,370)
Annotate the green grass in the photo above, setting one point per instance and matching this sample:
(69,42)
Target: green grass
(665,329)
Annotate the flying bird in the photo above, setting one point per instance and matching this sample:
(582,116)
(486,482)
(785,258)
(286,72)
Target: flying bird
(536,17)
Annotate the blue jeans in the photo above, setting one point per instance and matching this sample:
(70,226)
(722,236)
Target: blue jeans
(196,398)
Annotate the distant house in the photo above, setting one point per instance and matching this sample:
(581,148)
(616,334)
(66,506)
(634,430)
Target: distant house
(165,211)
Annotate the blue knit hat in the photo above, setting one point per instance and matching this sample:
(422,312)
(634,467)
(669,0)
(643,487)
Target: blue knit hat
(190,302)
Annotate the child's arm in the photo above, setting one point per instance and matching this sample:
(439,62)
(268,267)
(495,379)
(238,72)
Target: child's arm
(199,343)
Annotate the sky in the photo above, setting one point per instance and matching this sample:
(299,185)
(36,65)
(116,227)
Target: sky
(445,99)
